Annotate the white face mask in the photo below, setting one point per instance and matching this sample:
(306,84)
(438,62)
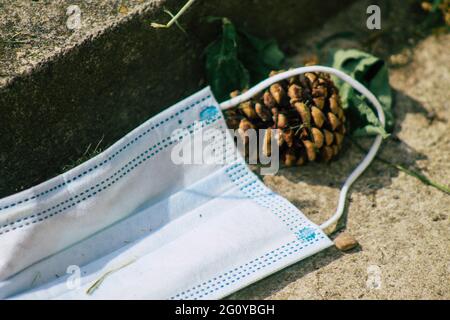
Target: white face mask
(132,223)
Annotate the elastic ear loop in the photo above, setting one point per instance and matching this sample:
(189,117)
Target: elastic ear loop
(358,87)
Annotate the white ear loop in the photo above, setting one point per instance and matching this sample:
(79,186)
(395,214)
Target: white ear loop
(358,87)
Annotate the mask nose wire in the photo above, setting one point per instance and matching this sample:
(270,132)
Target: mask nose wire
(358,87)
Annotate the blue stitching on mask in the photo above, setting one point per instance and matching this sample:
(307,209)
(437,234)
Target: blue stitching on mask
(248,184)
(106,160)
(253,189)
(86,194)
(230,277)
(210,282)
(265,197)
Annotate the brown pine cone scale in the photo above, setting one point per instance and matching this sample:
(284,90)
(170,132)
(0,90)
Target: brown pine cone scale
(307,110)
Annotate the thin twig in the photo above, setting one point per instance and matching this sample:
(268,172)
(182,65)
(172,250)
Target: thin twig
(35,279)
(413,173)
(176,22)
(174,18)
(100,280)
(13,40)
(98,144)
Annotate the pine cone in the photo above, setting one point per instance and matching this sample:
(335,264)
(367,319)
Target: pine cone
(306,109)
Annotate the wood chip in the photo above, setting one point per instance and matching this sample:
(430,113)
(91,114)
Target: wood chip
(345,242)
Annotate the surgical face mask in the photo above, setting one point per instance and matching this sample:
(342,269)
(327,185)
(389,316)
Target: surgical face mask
(135,223)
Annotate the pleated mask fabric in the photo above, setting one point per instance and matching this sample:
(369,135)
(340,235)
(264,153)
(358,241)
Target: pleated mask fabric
(132,224)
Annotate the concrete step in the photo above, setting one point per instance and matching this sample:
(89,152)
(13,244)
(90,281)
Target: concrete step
(66,86)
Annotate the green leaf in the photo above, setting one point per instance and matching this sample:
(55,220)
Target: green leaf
(236,59)
(367,115)
(373,73)
(435,5)
(259,56)
(224,70)
(370,130)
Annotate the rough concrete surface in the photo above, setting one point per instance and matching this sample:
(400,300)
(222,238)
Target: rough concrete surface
(64,91)
(403,226)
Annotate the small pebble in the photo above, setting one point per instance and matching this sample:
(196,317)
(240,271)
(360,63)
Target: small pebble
(345,242)
(439,217)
